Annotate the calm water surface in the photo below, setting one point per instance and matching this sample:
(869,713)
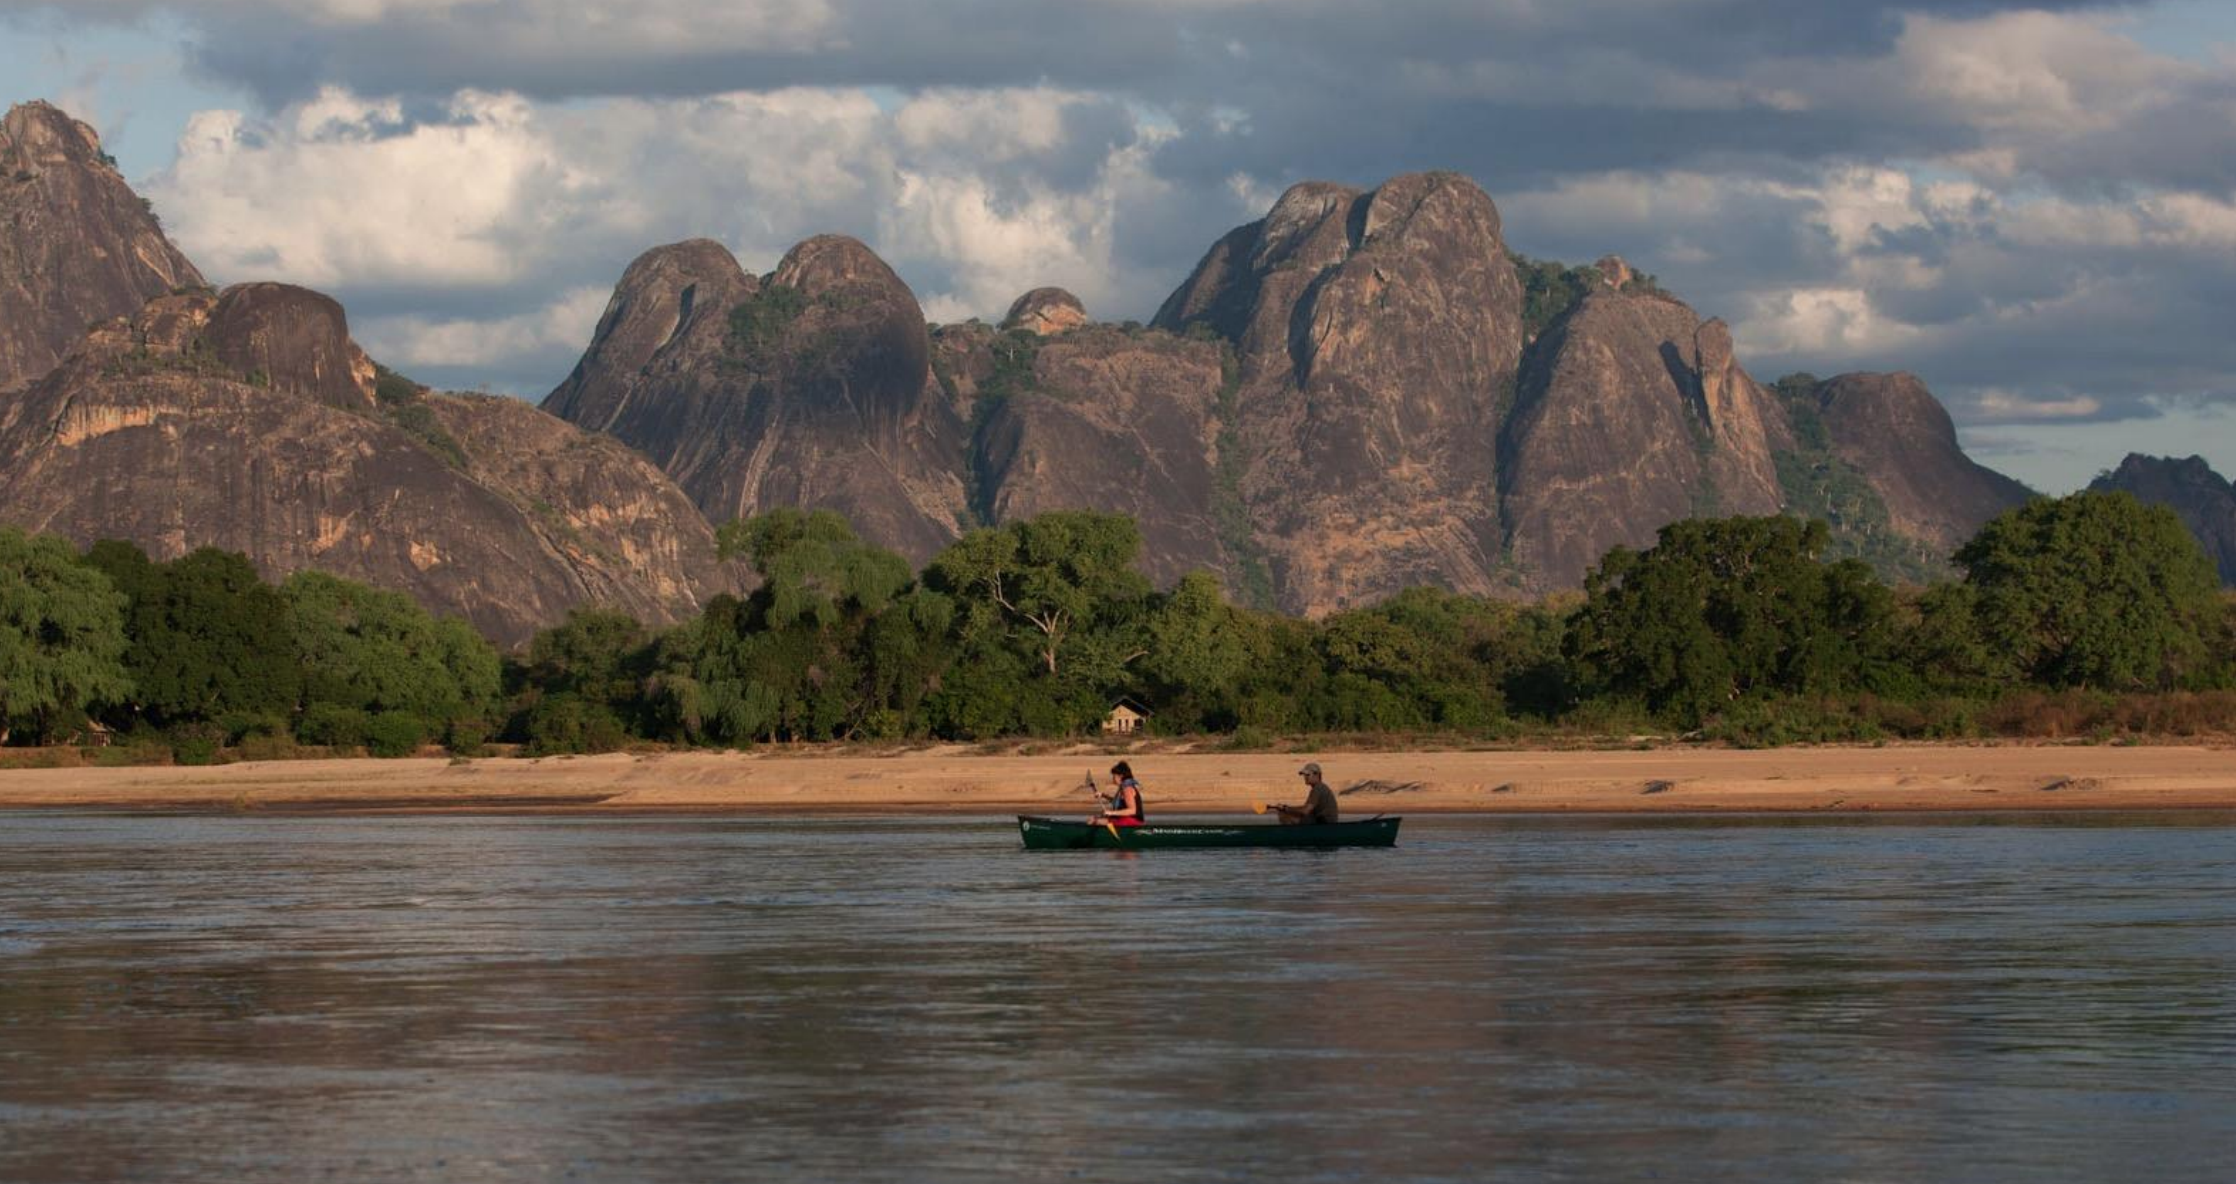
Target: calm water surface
(684,999)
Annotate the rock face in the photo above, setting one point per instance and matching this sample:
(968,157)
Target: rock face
(293,340)
(809,387)
(1631,413)
(1378,336)
(1901,439)
(151,431)
(76,244)
(1099,418)
(2202,498)
(1046,312)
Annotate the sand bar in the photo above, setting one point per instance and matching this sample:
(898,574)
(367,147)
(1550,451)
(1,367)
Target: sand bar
(1673,780)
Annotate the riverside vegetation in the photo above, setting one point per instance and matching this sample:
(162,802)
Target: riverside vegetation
(2087,616)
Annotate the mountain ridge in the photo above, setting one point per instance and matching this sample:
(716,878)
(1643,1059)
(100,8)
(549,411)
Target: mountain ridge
(1362,391)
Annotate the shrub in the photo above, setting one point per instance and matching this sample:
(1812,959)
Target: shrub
(267,747)
(241,726)
(140,749)
(196,743)
(2040,715)
(395,733)
(1247,738)
(567,724)
(467,736)
(335,726)
(41,758)
(757,325)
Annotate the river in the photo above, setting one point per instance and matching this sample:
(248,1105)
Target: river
(366,998)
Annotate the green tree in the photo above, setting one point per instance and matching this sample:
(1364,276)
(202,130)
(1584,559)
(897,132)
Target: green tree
(1052,578)
(584,682)
(208,637)
(813,567)
(375,651)
(1059,589)
(1275,692)
(789,661)
(1198,649)
(908,650)
(2092,590)
(1722,609)
(61,637)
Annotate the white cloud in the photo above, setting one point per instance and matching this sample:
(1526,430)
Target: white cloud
(328,196)
(974,198)
(1995,405)
(995,251)
(409,341)
(1835,323)
(988,125)
(2030,72)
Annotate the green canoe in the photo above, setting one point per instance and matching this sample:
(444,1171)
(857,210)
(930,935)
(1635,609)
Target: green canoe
(1055,834)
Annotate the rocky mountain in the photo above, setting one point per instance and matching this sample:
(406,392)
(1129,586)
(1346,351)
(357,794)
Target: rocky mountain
(1361,392)
(810,386)
(1378,335)
(1901,440)
(76,244)
(1064,414)
(2203,498)
(1631,413)
(249,420)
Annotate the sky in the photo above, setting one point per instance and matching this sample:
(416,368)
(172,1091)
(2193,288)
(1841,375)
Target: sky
(2032,207)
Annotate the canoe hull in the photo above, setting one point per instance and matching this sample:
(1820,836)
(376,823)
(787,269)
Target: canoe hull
(1056,834)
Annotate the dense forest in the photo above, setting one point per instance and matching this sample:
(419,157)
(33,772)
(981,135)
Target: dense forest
(2088,616)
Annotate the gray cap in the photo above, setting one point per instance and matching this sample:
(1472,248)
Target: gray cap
(1310,767)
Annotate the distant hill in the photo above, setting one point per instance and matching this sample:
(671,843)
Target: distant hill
(2201,497)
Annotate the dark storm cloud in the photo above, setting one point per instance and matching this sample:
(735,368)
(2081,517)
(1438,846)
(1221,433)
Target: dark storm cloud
(1154,51)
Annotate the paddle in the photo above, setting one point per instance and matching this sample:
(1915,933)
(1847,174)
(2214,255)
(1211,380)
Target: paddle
(1090,786)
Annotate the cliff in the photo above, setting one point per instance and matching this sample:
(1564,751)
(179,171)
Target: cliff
(76,244)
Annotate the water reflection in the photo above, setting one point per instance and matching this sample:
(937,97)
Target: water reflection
(684,999)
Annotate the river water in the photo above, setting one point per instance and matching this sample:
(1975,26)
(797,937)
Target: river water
(252,998)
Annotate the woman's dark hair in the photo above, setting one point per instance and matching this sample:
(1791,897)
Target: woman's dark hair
(1121,769)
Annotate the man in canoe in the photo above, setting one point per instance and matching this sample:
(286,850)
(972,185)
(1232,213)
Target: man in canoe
(1319,801)
(1123,808)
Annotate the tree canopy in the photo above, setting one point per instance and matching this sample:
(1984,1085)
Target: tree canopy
(209,638)
(1722,609)
(2092,590)
(61,637)
(369,650)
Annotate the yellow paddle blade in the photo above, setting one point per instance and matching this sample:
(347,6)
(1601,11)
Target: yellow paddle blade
(1257,807)
(1112,827)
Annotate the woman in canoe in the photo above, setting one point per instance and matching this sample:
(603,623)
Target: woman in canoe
(1123,807)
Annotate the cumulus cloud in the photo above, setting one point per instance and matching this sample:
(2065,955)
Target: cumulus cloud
(341,192)
(465,235)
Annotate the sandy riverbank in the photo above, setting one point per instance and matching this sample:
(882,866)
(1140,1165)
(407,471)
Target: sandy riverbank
(1914,777)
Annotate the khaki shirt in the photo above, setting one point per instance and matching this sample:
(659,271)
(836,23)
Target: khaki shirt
(1319,805)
